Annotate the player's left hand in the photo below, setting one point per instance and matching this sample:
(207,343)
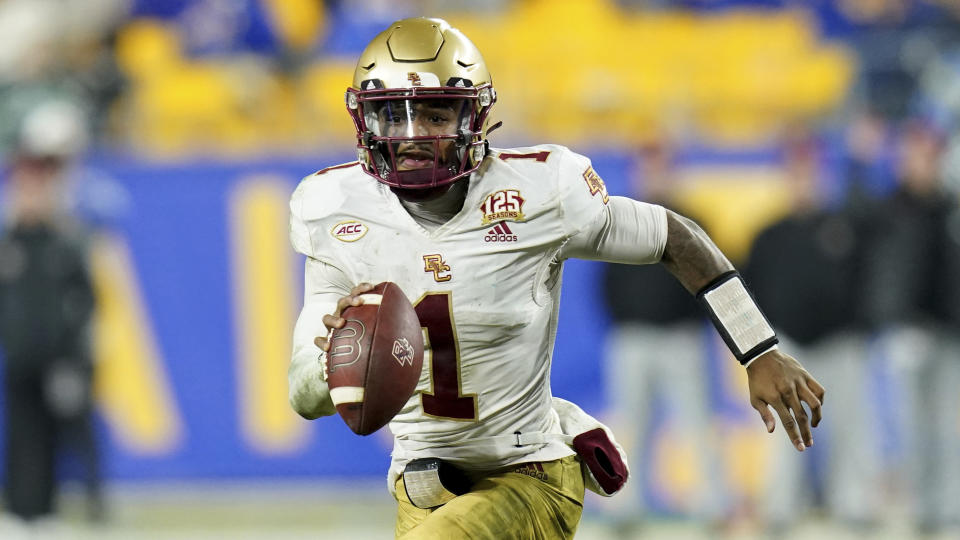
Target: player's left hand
(333,320)
(777,380)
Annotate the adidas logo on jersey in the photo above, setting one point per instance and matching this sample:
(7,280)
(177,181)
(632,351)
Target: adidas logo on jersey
(500,233)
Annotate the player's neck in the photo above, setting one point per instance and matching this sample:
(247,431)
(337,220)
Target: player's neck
(420,195)
(433,209)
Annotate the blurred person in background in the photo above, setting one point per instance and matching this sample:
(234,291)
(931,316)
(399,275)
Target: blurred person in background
(419,101)
(938,97)
(807,271)
(657,350)
(915,299)
(865,171)
(46,306)
(54,48)
(894,41)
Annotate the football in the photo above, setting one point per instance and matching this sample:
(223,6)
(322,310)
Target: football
(374,361)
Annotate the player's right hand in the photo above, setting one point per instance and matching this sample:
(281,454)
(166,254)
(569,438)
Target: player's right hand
(333,320)
(777,380)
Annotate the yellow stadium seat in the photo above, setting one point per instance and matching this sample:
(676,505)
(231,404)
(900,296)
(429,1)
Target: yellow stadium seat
(571,71)
(300,23)
(147,48)
(322,89)
(734,203)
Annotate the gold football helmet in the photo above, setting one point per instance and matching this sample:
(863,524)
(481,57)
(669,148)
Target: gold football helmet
(420,101)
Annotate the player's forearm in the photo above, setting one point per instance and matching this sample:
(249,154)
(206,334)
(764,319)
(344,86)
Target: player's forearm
(308,392)
(690,255)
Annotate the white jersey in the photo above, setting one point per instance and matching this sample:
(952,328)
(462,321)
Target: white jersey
(485,284)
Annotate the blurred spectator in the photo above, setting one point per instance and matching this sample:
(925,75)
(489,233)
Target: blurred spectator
(58,47)
(865,171)
(939,98)
(806,270)
(656,350)
(915,298)
(894,40)
(270,34)
(46,304)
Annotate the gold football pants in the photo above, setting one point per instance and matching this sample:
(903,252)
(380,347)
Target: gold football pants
(541,500)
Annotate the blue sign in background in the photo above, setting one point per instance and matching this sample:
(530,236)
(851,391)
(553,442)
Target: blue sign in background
(175,222)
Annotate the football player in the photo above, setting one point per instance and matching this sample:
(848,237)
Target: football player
(476,238)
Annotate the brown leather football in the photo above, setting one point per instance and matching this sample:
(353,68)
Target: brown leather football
(375,360)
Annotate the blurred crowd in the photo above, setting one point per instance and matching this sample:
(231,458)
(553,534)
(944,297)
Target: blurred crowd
(240,77)
(862,286)
(857,102)
(860,274)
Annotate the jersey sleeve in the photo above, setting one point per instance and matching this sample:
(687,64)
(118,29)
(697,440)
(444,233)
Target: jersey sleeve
(324,285)
(299,233)
(627,231)
(582,193)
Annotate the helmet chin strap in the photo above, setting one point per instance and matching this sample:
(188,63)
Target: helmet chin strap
(416,178)
(387,157)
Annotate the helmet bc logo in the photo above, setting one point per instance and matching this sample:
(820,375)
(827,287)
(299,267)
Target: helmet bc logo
(503,205)
(403,351)
(414,79)
(349,231)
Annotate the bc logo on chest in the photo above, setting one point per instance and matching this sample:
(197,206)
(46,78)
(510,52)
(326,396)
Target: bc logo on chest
(435,263)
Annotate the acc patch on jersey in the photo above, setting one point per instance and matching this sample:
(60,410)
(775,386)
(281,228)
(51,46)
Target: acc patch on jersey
(503,205)
(595,183)
(349,231)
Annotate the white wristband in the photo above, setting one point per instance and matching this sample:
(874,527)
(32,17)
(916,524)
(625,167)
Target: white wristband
(761,353)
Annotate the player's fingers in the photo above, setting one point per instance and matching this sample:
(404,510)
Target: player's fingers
(800,415)
(789,424)
(347,301)
(361,288)
(765,414)
(813,403)
(342,303)
(815,387)
(321,342)
(333,321)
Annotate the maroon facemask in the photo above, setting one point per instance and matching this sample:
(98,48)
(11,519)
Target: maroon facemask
(420,138)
